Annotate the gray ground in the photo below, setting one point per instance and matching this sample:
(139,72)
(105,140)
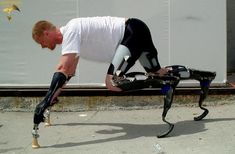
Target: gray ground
(122,132)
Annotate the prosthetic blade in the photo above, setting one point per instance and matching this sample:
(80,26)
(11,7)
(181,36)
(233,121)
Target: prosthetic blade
(204,77)
(171,126)
(204,92)
(167,105)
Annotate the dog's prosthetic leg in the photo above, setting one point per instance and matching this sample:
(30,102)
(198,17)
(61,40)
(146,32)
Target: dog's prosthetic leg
(135,80)
(204,77)
(58,81)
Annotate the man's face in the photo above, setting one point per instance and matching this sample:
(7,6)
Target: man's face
(47,40)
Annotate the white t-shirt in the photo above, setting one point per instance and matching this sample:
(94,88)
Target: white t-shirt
(93,38)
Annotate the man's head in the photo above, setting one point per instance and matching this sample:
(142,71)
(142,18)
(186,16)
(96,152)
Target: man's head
(46,34)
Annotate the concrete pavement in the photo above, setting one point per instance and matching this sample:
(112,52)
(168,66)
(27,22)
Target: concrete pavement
(122,132)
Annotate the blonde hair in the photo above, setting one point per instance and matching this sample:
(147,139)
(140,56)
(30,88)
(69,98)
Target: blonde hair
(40,27)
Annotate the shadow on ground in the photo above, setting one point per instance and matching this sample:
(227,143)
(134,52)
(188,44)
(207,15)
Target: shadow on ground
(133,131)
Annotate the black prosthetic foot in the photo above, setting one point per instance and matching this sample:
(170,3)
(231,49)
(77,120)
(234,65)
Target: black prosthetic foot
(168,98)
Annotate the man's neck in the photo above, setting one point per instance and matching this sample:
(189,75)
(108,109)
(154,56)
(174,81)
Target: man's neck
(59,36)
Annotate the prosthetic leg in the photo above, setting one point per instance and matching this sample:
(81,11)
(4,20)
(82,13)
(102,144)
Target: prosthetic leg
(43,108)
(203,77)
(168,83)
(137,80)
(47,121)
(47,113)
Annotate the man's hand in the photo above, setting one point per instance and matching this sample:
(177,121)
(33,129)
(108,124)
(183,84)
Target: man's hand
(109,83)
(162,71)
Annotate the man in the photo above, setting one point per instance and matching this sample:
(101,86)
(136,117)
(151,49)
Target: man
(118,41)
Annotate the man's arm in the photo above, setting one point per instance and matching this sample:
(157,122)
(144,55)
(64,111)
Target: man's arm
(68,64)
(65,70)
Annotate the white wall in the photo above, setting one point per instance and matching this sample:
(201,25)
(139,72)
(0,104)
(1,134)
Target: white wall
(187,32)
(198,35)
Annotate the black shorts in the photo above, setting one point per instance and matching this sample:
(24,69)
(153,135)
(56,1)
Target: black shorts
(137,38)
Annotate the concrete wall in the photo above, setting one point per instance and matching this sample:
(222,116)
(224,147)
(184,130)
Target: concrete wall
(86,103)
(231,35)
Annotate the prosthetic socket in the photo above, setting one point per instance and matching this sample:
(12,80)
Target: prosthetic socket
(58,81)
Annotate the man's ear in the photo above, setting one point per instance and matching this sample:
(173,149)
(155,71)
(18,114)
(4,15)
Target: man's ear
(45,32)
